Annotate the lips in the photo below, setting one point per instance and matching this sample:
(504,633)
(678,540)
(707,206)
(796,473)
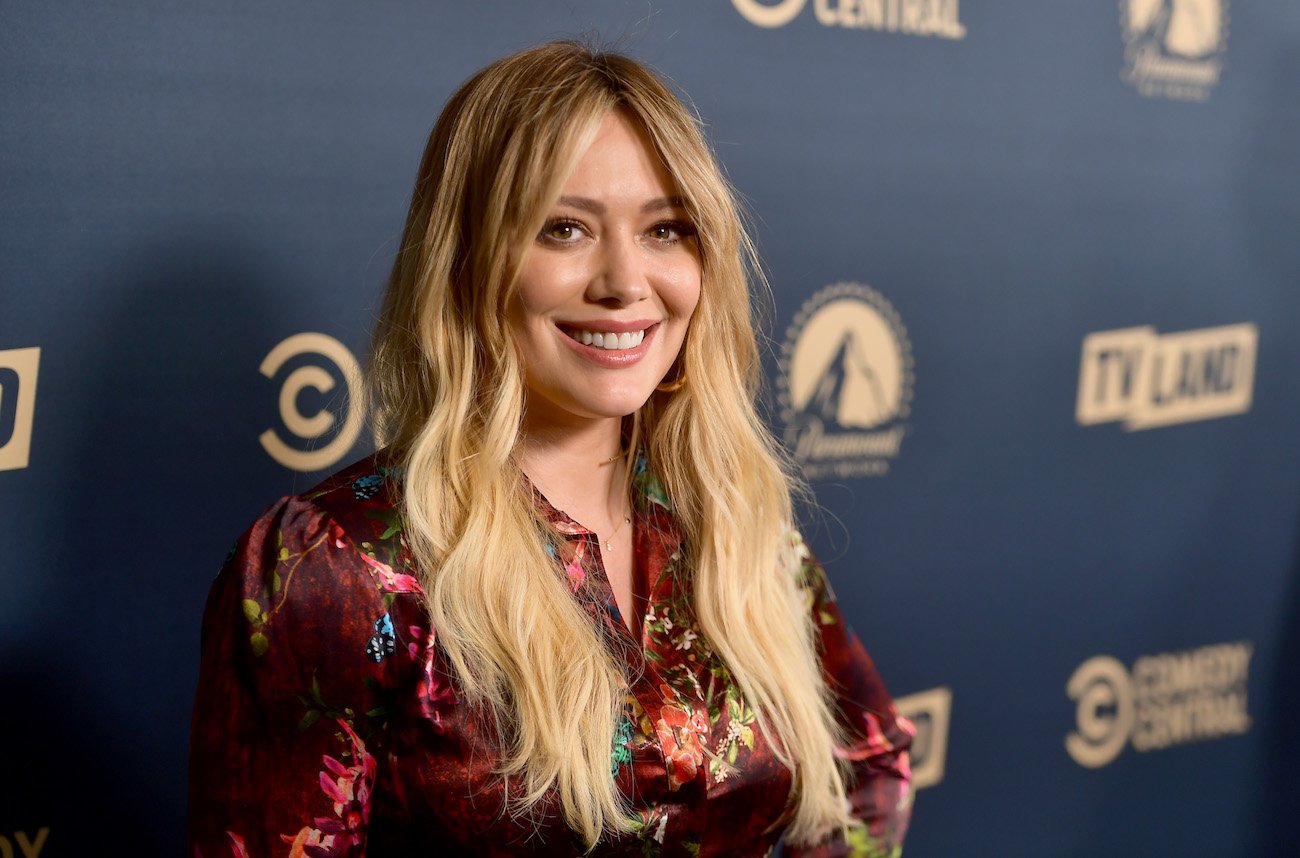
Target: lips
(611,344)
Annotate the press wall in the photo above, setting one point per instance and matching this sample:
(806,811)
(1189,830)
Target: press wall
(1035,276)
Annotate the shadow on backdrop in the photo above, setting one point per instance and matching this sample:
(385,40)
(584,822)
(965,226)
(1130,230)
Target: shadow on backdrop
(172,400)
(1270,215)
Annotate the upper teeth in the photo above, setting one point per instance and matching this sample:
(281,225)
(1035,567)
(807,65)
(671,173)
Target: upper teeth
(600,340)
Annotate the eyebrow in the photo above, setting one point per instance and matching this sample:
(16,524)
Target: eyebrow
(597,207)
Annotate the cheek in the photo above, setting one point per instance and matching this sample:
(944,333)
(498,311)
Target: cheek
(682,302)
(691,295)
(546,283)
(682,290)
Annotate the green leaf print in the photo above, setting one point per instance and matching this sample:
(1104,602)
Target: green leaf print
(259,644)
(862,845)
(392,518)
(252,610)
(312,716)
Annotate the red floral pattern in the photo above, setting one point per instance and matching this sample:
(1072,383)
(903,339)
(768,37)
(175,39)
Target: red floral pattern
(680,733)
(327,722)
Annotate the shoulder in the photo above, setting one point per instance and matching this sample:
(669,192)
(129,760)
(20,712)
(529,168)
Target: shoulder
(338,544)
(307,596)
(351,520)
(363,500)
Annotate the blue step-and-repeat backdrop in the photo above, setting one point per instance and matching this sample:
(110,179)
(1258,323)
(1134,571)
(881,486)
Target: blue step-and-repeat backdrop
(1035,337)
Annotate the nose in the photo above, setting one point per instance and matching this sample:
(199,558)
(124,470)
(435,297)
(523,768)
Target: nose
(622,277)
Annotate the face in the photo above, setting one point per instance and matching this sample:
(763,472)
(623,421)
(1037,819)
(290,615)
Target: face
(607,289)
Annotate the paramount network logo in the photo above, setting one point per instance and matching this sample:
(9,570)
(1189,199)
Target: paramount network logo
(17,405)
(846,383)
(913,17)
(1174,48)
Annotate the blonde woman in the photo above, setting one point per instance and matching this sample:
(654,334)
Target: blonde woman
(563,610)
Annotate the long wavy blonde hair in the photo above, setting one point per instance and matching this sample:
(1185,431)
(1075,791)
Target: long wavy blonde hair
(448,393)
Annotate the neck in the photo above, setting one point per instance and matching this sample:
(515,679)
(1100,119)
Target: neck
(572,467)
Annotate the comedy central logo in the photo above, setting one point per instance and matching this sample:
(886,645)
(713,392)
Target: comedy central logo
(1174,48)
(1166,699)
(316,363)
(913,17)
(845,384)
(769,14)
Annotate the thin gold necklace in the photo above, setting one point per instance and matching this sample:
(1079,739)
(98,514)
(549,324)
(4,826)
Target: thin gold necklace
(608,541)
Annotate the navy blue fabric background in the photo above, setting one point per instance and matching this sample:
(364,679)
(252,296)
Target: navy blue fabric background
(187,185)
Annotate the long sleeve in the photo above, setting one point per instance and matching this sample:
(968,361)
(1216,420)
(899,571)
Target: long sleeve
(279,763)
(880,792)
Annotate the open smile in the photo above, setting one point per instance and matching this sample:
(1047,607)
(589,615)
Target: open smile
(625,338)
(608,340)
(624,346)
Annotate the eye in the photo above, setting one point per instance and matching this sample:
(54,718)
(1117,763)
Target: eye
(560,231)
(671,231)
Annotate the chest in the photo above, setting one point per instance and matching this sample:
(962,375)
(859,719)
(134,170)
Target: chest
(689,755)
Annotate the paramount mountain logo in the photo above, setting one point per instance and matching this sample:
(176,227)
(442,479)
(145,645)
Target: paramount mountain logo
(845,384)
(1174,48)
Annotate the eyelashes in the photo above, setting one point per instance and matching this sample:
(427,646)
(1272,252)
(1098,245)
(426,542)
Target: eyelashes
(564,231)
(560,231)
(672,231)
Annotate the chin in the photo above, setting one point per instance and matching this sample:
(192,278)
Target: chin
(614,406)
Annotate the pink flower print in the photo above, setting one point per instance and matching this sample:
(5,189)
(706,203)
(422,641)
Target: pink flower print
(349,788)
(432,689)
(338,536)
(417,637)
(390,581)
(877,747)
(576,574)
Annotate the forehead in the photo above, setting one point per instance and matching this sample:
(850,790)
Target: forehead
(620,163)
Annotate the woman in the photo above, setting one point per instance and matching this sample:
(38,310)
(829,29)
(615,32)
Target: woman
(563,610)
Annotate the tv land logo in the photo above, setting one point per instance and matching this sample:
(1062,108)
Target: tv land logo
(1148,380)
(939,18)
(18,368)
(1167,699)
(845,383)
(930,711)
(1174,48)
(328,361)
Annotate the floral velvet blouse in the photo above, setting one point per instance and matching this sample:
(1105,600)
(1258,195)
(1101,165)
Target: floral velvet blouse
(326,722)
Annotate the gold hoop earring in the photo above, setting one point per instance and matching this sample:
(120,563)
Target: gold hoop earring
(672,386)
